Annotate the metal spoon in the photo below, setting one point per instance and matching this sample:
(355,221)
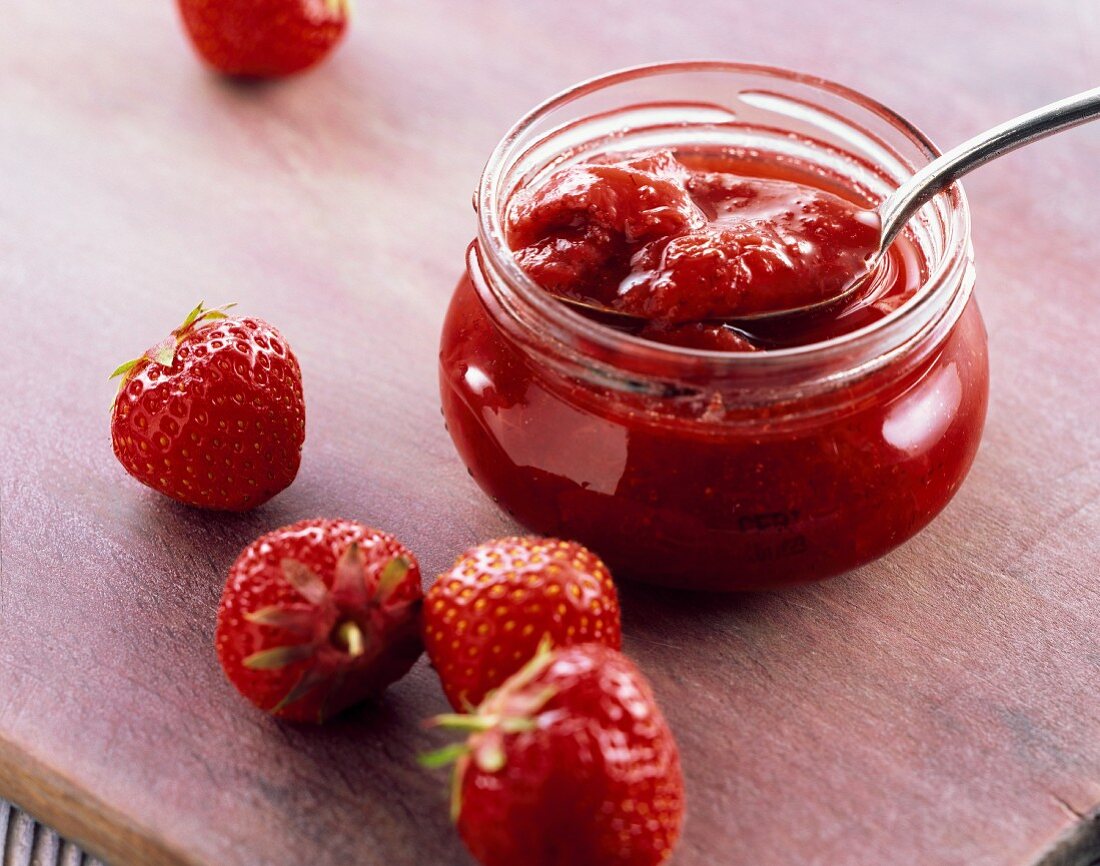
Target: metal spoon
(895,210)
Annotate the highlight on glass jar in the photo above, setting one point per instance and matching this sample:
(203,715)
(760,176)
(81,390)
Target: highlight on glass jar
(609,369)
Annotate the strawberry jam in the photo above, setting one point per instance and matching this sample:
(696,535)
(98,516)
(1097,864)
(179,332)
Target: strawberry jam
(689,451)
(685,237)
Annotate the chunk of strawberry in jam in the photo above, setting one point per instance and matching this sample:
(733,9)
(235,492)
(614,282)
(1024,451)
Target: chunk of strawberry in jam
(641,200)
(710,273)
(650,237)
(588,255)
(575,234)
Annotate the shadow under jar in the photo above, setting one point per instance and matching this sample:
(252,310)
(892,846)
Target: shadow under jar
(720,470)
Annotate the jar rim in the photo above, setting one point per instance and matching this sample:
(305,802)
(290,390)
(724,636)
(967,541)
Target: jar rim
(638,355)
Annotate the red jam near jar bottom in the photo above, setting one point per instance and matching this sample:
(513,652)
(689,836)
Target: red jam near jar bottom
(697,464)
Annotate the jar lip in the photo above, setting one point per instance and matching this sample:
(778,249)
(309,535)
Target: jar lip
(567,325)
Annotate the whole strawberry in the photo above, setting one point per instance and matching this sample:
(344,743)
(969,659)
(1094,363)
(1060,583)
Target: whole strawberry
(213,415)
(569,763)
(264,38)
(484,619)
(319,616)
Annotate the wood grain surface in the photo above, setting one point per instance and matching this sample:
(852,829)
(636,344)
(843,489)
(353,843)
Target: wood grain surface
(939,707)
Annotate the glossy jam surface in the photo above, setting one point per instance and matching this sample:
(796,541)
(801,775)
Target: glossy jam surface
(694,486)
(689,236)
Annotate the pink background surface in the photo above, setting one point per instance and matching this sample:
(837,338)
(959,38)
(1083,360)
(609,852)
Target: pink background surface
(938,707)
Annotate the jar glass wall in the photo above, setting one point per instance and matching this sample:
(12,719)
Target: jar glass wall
(704,469)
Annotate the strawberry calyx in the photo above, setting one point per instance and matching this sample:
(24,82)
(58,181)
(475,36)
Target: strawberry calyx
(337,624)
(164,352)
(511,709)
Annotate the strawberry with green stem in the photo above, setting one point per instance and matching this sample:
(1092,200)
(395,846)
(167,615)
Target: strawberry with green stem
(569,763)
(213,415)
(318,616)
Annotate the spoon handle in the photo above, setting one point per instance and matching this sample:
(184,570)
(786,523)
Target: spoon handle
(896,210)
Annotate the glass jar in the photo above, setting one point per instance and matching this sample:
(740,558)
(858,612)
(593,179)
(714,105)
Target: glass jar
(710,470)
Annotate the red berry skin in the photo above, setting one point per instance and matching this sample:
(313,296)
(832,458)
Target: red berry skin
(263,614)
(222,425)
(485,618)
(596,781)
(264,38)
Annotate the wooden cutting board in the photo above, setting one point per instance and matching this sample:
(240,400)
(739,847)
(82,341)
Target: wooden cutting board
(939,707)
